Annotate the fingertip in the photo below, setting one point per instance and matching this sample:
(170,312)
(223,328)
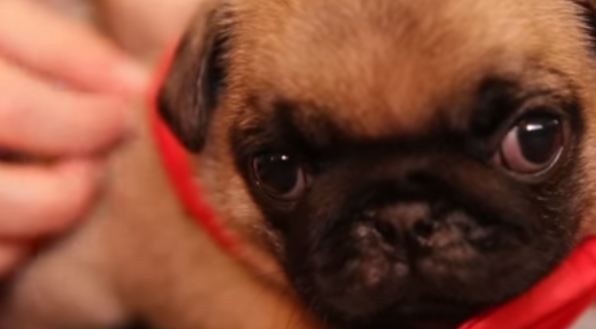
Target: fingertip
(83,175)
(123,126)
(11,255)
(45,200)
(108,123)
(81,183)
(133,79)
(79,168)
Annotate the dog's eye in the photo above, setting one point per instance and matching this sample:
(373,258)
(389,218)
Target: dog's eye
(280,176)
(533,145)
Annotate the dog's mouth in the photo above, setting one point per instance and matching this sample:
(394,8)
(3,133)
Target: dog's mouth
(408,264)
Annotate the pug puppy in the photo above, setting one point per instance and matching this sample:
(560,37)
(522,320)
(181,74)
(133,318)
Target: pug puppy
(405,164)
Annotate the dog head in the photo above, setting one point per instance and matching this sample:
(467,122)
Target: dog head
(402,160)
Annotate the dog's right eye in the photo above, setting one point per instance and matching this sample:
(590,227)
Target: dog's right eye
(280,176)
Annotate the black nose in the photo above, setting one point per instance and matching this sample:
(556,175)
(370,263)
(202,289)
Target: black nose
(405,222)
(430,227)
(414,208)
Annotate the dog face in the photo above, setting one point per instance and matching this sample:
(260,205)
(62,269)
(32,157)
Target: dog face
(402,160)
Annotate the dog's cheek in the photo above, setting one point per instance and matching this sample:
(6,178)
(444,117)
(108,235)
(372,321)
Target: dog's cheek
(582,181)
(585,177)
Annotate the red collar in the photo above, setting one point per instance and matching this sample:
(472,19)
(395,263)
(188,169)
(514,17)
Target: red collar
(553,303)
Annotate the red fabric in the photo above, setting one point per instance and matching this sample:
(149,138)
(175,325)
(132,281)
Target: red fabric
(554,303)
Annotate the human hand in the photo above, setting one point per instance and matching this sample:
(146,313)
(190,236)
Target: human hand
(64,92)
(145,27)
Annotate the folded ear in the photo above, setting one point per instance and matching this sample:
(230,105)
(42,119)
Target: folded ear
(197,76)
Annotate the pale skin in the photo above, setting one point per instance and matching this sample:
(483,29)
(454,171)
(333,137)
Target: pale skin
(67,91)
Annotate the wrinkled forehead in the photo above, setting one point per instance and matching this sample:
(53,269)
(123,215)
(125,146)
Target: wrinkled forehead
(402,59)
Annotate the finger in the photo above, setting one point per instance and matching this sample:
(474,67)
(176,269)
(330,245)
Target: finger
(38,201)
(65,50)
(11,254)
(41,119)
(146,26)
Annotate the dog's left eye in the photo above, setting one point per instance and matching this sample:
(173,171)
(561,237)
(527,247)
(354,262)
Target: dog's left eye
(281,176)
(533,145)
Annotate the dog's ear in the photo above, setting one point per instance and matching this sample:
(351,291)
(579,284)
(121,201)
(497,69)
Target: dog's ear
(587,11)
(197,76)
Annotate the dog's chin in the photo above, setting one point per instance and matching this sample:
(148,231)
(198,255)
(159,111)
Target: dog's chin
(421,315)
(364,274)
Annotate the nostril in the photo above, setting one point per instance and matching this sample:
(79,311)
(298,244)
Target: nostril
(387,230)
(424,228)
